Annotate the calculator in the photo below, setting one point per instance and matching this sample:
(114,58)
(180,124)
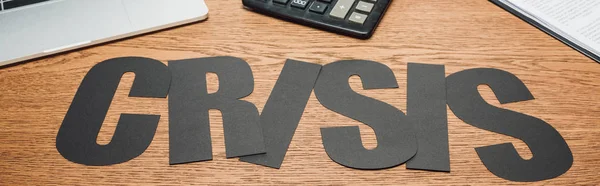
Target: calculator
(354,18)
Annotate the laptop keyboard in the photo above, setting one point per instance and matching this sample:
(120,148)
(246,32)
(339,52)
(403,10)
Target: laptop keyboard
(10,4)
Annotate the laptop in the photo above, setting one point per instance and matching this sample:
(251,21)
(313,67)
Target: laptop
(34,28)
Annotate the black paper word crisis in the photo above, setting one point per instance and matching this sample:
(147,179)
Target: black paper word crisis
(418,138)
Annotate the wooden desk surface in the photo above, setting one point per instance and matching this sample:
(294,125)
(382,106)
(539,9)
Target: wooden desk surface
(460,34)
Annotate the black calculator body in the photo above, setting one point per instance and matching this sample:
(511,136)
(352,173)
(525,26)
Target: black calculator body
(354,18)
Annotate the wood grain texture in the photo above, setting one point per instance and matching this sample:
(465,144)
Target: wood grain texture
(460,34)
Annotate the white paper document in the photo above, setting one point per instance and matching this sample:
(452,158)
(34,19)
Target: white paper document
(575,20)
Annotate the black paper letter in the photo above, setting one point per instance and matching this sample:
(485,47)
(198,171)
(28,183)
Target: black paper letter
(426,108)
(189,103)
(551,154)
(280,117)
(396,142)
(76,139)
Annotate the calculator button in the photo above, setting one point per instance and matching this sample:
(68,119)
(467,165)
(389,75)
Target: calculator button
(358,17)
(341,8)
(281,1)
(364,6)
(299,3)
(318,7)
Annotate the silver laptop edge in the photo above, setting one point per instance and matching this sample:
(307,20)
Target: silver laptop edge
(137,18)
